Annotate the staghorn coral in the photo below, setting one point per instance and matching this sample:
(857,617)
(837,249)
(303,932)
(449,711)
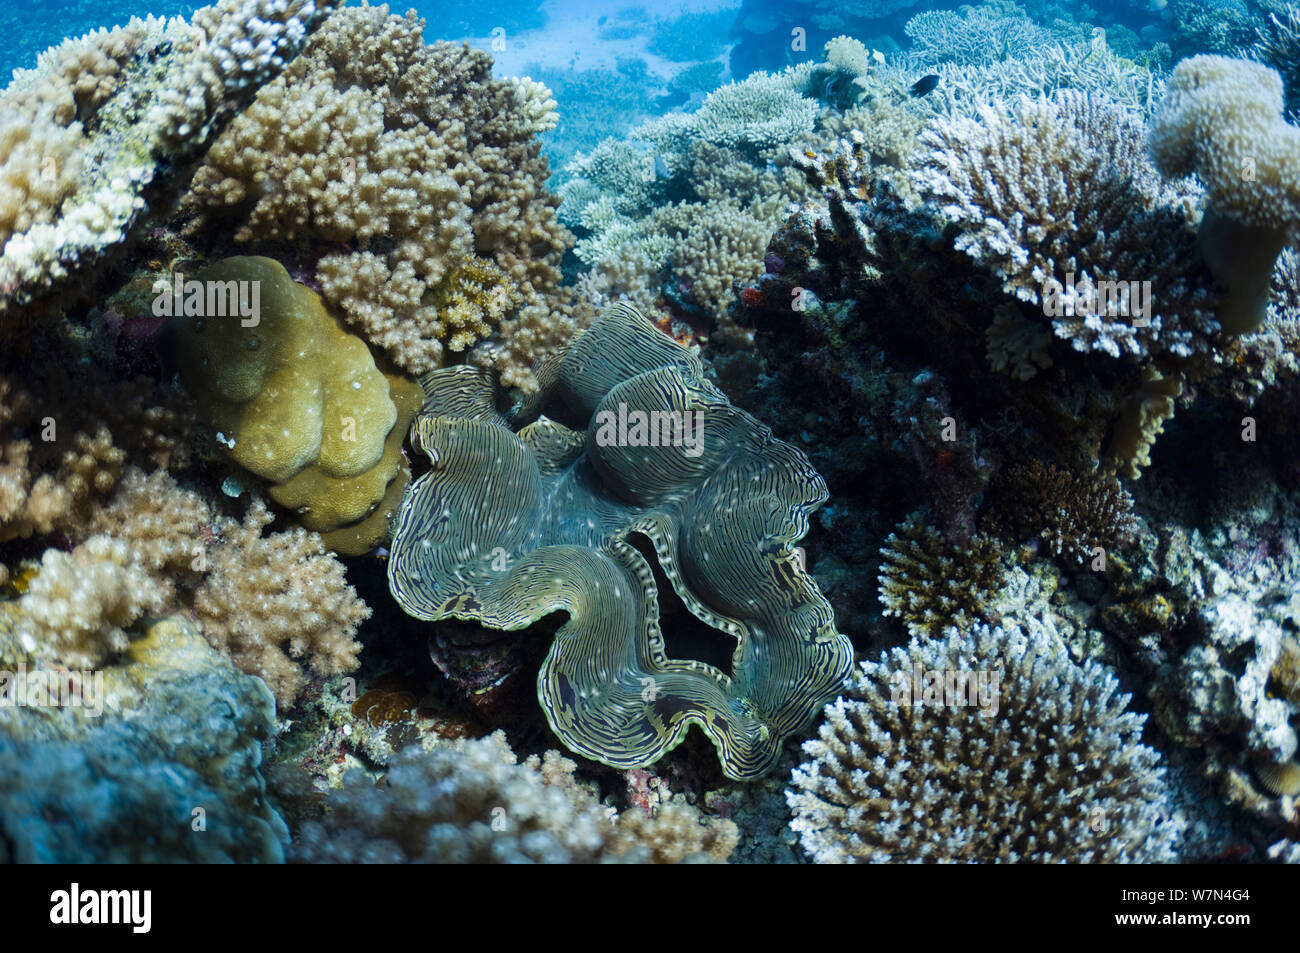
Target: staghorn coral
(471,802)
(421,160)
(96,123)
(171,771)
(1055,194)
(512,526)
(1057,774)
(1221,120)
(932,583)
(294,397)
(266,602)
(1278,44)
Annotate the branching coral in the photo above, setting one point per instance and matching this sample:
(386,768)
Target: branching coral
(1072,512)
(931,583)
(512,526)
(417,156)
(1278,45)
(470,802)
(1043,765)
(77,608)
(266,601)
(80,134)
(1055,195)
(1222,120)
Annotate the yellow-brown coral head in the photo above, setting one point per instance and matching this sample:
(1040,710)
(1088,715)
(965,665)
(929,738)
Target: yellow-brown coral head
(294,397)
(1222,121)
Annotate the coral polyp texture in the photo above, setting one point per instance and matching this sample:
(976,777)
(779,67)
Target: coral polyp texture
(1047,767)
(430,171)
(516,521)
(1222,120)
(86,133)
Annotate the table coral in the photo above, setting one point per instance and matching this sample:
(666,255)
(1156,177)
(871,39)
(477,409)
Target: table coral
(295,398)
(1056,774)
(511,526)
(1222,120)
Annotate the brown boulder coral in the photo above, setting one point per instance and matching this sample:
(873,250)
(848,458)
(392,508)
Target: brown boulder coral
(298,401)
(512,525)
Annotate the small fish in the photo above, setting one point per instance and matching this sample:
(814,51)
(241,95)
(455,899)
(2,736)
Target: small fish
(661,168)
(924,84)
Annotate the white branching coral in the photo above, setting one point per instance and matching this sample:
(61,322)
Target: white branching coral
(1055,195)
(536,104)
(1036,760)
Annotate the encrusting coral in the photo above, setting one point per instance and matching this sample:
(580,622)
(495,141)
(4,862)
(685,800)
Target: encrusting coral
(170,769)
(295,398)
(1222,120)
(511,526)
(470,802)
(1011,754)
(428,165)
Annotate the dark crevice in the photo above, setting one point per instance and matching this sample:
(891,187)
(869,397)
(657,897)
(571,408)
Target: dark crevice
(685,636)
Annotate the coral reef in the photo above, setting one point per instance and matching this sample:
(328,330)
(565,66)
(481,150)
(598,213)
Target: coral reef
(170,771)
(1045,767)
(512,526)
(419,158)
(86,132)
(1222,120)
(471,802)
